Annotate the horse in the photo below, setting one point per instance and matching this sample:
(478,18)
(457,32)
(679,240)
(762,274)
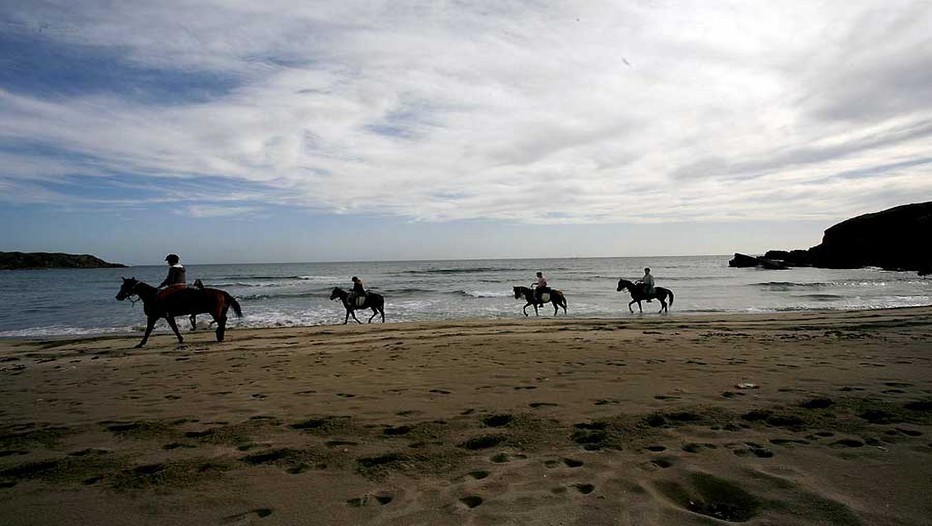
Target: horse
(181,302)
(557,299)
(373,301)
(638,294)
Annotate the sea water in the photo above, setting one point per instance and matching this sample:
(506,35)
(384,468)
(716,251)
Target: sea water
(37,303)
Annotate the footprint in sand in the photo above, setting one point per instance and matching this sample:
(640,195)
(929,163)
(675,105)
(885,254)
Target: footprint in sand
(568,462)
(471,501)
(396,431)
(503,458)
(748,449)
(847,442)
(497,420)
(694,447)
(585,489)
(380,498)
(248,517)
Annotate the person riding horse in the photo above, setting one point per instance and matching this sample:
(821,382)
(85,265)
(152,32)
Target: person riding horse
(540,287)
(359,291)
(647,284)
(175,279)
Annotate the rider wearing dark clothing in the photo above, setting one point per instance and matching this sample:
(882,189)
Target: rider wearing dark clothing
(359,291)
(175,279)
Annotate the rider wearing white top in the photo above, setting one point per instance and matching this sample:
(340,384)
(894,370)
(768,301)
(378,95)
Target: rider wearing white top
(647,282)
(540,286)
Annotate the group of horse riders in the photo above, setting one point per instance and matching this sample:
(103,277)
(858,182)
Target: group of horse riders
(176,278)
(540,286)
(173,298)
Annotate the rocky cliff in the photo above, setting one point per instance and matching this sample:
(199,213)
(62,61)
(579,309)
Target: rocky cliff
(38,260)
(899,238)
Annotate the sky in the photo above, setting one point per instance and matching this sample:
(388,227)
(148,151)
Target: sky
(236,131)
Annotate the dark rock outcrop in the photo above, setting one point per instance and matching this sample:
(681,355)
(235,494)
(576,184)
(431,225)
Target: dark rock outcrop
(744,260)
(792,258)
(40,260)
(893,239)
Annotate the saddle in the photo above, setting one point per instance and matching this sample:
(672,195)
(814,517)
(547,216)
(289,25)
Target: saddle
(173,290)
(358,301)
(545,297)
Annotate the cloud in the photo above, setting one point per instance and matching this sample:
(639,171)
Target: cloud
(528,112)
(220,211)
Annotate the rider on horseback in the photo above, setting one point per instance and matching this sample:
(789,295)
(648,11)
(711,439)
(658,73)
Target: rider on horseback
(647,284)
(175,279)
(359,291)
(540,287)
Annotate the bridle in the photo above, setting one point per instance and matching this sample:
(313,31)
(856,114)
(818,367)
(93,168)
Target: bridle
(133,294)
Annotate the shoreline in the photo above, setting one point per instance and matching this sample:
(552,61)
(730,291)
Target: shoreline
(162,329)
(633,420)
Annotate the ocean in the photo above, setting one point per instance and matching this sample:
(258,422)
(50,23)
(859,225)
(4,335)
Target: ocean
(42,303)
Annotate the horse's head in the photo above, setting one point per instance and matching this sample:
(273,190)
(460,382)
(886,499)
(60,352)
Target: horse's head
(127,289)
(623,284)
(337,292)
(517,291)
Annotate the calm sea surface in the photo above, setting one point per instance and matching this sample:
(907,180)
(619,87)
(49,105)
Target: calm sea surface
(76,302)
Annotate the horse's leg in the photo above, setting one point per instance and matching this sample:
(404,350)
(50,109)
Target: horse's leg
(221,328)
(346,319)
(150,323)
(630,304)
(525,309)
(193,322)
(374,312)
(174,326)
(353,313)
(221,322)
(663,305)
(555,308)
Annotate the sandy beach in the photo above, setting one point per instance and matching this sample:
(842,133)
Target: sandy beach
(800,418)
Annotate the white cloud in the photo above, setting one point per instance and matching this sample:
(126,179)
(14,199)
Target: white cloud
(532,112)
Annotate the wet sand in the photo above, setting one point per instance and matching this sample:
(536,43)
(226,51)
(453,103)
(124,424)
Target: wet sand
(802,418)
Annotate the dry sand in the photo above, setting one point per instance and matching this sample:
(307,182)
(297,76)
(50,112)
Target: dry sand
(524,421)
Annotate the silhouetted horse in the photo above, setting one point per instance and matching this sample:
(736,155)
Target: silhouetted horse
(638,294)
(180,302)
(373,301)
(557,299)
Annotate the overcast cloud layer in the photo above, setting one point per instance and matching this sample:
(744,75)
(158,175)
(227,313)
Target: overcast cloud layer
(538,112)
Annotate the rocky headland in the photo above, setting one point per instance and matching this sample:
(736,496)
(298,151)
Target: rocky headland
(41,260)
(893,239)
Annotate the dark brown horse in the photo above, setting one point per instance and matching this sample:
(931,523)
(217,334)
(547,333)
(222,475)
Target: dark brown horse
(638,294)
(373,301)
(557,299)
(180,302)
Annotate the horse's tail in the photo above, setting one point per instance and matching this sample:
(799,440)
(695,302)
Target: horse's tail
(233,303)
(671,296)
